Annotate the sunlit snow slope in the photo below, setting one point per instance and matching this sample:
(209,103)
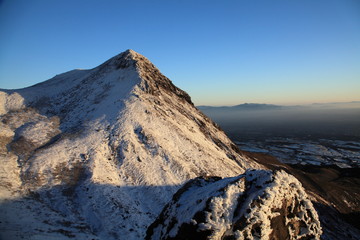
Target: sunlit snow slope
(96,154)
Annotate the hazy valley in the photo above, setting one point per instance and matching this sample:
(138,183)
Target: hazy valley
(316,134)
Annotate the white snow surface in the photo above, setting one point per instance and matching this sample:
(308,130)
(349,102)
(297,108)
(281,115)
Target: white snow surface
(10,102)
(96,154)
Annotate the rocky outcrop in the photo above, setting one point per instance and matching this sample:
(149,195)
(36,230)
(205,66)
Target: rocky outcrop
(256,205)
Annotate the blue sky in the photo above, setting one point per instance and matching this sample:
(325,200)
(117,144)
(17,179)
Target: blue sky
(220,52)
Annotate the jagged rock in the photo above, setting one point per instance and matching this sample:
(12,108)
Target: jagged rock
(259,204)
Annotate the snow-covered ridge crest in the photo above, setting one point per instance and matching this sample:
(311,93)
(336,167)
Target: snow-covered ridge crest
(256,205)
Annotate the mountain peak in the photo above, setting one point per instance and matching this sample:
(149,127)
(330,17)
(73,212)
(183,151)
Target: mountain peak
(126,59)
(130,51)
(154,82)
(131,54)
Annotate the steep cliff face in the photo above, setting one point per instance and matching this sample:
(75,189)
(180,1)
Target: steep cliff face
(98,153)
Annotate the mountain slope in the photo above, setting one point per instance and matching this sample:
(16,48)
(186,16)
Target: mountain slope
(98,153)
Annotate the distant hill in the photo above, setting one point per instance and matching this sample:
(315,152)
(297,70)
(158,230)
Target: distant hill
(263,106)
(244,106)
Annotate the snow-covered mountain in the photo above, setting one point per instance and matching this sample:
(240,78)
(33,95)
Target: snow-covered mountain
(104,149)
(97,154)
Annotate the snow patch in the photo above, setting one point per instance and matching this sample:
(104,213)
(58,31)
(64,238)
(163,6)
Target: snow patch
(10,102)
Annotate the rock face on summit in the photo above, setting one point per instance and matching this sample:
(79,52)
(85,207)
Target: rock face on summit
(97,154)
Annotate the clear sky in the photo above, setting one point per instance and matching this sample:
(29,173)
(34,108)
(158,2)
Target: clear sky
(222,52)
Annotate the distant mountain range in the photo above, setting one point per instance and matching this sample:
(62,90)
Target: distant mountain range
(263,106)
(244,106)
